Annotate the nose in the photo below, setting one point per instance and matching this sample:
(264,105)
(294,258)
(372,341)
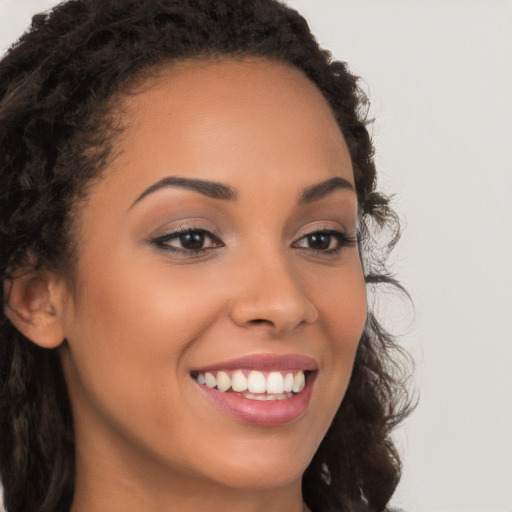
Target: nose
(272,298)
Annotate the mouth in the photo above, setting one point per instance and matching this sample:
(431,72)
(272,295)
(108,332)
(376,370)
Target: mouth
(254,384)
(261,390)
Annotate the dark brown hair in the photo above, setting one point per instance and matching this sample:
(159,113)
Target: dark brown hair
(57,86)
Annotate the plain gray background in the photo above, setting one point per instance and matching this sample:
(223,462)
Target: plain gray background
(439,75)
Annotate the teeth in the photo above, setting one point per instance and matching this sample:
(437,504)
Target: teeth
(268,397)
(299,382)
(210,380)
(288,382)
(275,383)
(275,386)
(223,381)
(239,381)
(256,382)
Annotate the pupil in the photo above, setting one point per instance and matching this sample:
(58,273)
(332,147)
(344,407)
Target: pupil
(192,240)
(320,241)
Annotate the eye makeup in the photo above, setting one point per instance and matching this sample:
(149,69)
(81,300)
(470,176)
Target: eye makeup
(326,241)
(188,241)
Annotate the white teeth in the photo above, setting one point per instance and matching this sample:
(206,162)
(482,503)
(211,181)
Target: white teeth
(210,380)
(282,396)
(275,383)
(299,382)
(276,386)
(256,382)
(223,381)
(239,381)
(288,382)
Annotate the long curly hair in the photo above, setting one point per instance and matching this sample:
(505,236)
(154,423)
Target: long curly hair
(58,86)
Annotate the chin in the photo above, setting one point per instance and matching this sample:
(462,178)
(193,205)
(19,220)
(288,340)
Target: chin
(271,476)
(261,468)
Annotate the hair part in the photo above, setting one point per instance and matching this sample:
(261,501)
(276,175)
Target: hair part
(59,90)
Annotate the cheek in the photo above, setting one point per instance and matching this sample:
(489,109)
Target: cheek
(349,324)
(342,318)
(144,306)
(131,327)
(342,304)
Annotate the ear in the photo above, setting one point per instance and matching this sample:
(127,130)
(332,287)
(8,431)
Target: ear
(34,305)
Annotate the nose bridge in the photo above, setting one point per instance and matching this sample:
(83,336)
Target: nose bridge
(270,293)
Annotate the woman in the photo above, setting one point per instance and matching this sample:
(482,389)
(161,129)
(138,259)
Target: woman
(186,202)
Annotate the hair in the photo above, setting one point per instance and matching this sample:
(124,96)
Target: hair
(58,85)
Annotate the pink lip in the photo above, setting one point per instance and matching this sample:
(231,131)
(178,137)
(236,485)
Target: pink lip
(262,362)
(264,413)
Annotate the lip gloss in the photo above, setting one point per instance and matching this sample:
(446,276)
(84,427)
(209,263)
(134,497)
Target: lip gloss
(262,412)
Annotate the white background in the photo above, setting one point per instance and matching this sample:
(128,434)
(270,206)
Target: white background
(439,75)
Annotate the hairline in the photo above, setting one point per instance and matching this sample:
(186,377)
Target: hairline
(113,109)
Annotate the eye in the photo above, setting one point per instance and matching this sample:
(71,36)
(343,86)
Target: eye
(326,241)
(188,241)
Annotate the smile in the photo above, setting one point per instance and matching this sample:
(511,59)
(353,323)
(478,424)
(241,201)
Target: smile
(255,385)
(263,389)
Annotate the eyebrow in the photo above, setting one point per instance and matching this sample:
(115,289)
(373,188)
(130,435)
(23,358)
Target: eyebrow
(320,190)
(206,188)
(220,191)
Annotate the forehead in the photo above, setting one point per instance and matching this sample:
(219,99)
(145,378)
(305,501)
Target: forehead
(242,122)
(227,83)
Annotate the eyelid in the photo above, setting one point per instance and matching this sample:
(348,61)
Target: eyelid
(321,226)
(345,239)
(162,241)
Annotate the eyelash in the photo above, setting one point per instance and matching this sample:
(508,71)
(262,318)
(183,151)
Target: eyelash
(343,239)
(163,241)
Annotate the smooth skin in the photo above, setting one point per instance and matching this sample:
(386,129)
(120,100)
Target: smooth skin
(149,305)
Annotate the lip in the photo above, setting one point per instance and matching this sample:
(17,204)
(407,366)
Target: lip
(262,413)
(264,362)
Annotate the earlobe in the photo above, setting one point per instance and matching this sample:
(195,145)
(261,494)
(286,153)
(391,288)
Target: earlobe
(33,304)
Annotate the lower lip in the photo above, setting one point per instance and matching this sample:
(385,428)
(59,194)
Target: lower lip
(260,412)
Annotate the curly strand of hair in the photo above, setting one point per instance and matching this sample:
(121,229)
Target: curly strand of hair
(40,469)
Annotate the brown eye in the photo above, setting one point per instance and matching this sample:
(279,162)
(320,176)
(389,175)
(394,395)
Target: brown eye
(188,241)
(326,241)
(193,241)
(319,241)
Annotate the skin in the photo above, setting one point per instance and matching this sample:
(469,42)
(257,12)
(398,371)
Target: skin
(141,317)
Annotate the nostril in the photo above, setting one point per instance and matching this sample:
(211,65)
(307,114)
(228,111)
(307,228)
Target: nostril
(258,321)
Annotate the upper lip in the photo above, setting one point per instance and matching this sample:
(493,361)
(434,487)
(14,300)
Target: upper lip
(264,362)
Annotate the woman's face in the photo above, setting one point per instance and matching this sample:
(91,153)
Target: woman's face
(218,250)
